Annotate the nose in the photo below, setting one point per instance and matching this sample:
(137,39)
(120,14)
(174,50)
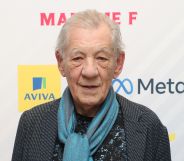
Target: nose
(89,69)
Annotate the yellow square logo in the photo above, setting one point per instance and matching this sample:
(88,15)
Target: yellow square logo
(37,84)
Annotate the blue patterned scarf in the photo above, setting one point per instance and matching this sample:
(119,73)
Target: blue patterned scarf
(82,147)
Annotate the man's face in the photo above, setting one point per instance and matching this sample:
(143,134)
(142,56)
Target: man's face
(89,65)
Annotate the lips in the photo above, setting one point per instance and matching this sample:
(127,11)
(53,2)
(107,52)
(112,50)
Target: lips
(89,86)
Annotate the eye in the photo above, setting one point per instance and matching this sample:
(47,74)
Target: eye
(77,58)
(101,58)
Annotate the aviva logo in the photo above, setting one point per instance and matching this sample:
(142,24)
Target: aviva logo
(37,84)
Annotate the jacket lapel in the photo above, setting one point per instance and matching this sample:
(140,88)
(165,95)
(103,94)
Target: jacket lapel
(136,138)
(135,131)
(48,134)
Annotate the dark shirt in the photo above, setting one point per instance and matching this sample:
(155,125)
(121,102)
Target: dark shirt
(113,147)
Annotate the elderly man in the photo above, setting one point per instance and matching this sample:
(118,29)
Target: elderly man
(90,122)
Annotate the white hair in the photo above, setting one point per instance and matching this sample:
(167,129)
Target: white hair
(90,19)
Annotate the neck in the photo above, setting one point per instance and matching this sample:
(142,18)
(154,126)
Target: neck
(89,111)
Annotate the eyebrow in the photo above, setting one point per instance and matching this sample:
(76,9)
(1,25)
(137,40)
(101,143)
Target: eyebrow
(76,51)
(103,49)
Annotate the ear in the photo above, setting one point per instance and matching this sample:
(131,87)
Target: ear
(60,62)
(119,64)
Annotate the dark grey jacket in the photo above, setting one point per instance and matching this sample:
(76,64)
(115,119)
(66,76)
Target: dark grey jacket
(146,137)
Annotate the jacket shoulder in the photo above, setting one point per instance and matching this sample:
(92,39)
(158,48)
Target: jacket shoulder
(36,113)
(29,124)
(137,116)
(137,112)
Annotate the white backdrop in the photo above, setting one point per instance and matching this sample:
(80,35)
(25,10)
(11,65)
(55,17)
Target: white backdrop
(154,49)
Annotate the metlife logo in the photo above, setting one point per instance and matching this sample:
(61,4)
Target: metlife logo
(151,86)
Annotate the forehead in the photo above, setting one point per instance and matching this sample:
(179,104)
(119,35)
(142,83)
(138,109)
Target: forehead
(89,37)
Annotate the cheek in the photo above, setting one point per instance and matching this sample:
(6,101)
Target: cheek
(107,72)
(106,76)
(72,73)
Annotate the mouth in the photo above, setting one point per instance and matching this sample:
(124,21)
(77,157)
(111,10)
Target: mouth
(90,86)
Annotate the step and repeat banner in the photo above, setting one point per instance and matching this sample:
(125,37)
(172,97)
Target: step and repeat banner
(153,74)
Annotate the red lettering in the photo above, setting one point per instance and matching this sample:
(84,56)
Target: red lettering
(132,16)
(62,19)
(47,20)
(116,17)
(107,14)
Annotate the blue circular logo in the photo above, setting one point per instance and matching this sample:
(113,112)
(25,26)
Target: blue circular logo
(125,84)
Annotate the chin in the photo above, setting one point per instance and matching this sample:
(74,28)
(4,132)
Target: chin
(90,101)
